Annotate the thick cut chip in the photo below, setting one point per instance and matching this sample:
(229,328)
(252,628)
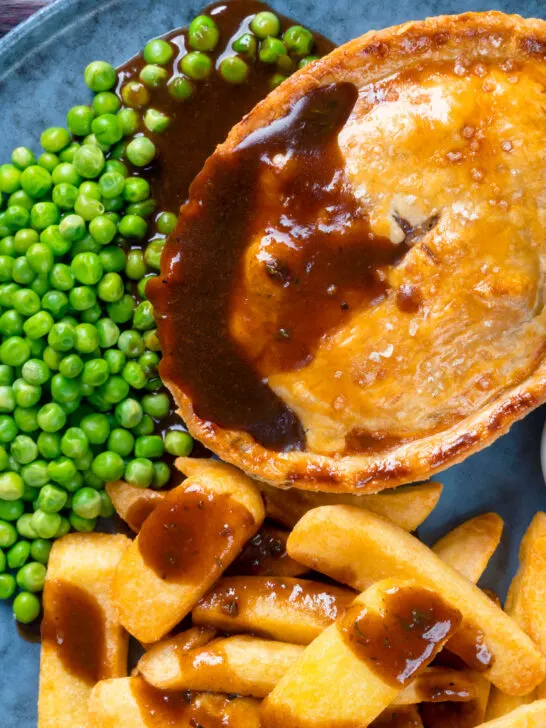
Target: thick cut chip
(132,703)
(353,297)
(352,672)
(242,665)
(358,547)
(532,715)
(525,603)
(407,506)
(132,504)
(184,546)
(289,610)
(469,547)
(439,685)
(459,714)
(82,640)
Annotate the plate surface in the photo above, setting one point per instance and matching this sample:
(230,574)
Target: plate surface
(41,69)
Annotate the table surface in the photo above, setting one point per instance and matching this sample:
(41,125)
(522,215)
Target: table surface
(13,12)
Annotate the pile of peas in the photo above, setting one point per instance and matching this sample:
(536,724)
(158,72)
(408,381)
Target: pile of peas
(262,42)
(81,402)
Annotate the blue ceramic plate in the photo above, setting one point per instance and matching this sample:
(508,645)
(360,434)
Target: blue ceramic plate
(41,65)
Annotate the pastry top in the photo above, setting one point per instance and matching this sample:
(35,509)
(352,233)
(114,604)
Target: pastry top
(353,298)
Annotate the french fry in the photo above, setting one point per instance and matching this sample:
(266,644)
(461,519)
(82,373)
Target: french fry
(532,715)
(439,685)
(132,504)
(289,610)
(407,506)
(243,664)
(469,547)
(358,547)
(132,703)
(184,546)
(82,639)
(179,644)
(525,603)
(352,672)
(265,555)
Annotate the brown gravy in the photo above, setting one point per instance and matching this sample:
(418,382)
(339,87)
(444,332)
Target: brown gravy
(469,644)
(323,602)
(451,715)
(320,261)
(264,555)
(400,643)
(74,623)
(190,533)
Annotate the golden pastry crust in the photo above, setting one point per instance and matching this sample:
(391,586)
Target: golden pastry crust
(461,97)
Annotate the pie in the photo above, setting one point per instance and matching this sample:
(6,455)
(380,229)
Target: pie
(354,295)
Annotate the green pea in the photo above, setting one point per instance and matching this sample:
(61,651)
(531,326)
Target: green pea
(152,254)
(26,395)
(158,51)
(24,449)
(51,499)
(7,399)
(111,287)
(95,372)
(40,550)
(129,121)
(16,218)
(62,336)
(55,139)
(133,226)
(106,102)
(6,375)
(31,577)
(100,76)
(265,24)
(87,503)
(114,389)
(135,268)
(135,94)
(107,509)
(61,277)
(151,340)
(115,360)
(120,311)
(86,268)
(18,555)
(88,208)
(11,485)
(149,446)
(11,323)
(271,49)
(162,474)
(79,120)
(51,417)
(22,157)
(10,179)
(108,465)
(112,259)
(11,510)
(26,302)
(234,70)
(56,302)
(88,161)
(144,317)
(73,228)
(24,239)
(107,129)
(96,428)
(246,45)
(141,209)
(7,246)
(82,525)
(63,471)
(24,526)
(179,443)
(140,472)
(306,61)
(128,412)
(26,607)
(121,442)
(196,65)
(203,33)
(36,181)
(14,351)
(8,535)
(26,418)
(82,298)
(35,474)
(153,76)
(156,121)
(181,88)
(7,586)
(166,222)
(141,151)
(134,375)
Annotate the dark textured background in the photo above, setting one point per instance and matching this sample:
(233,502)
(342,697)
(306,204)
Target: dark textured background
(13,12)
(41,66)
